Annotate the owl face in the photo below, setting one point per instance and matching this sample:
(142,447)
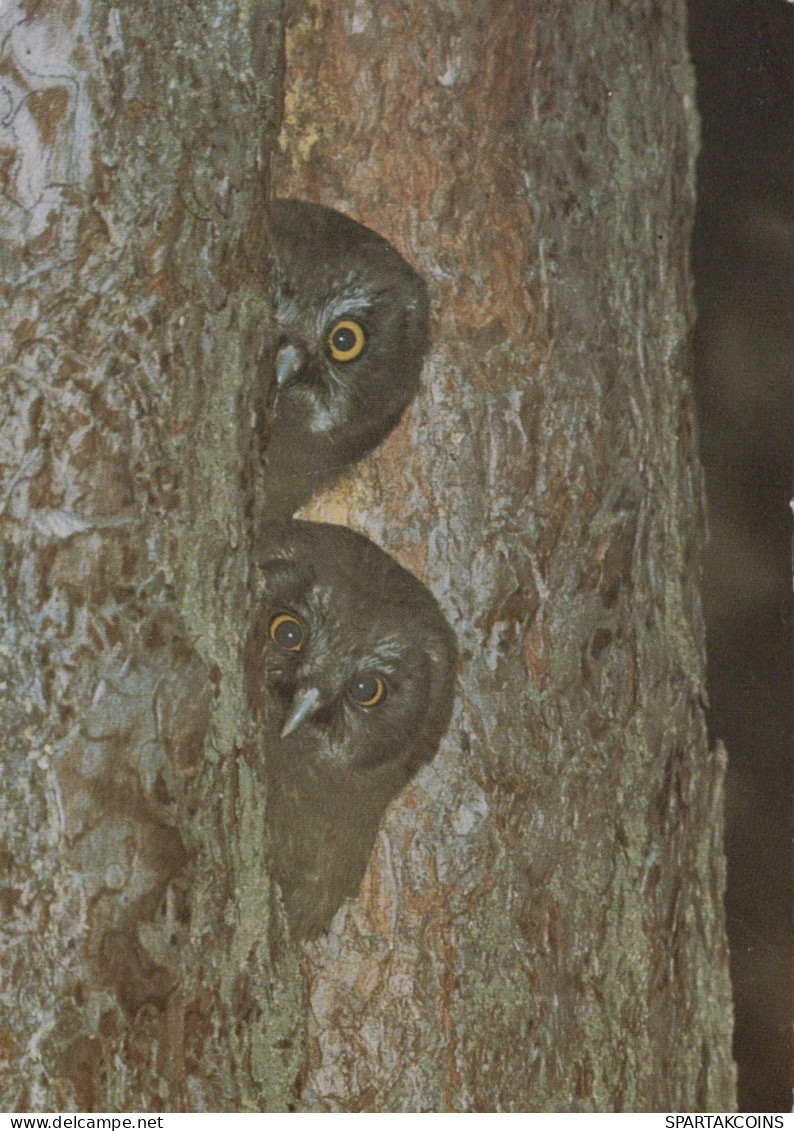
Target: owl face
(356,661)
(350,670)
(351,319)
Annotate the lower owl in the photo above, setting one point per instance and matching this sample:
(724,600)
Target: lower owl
(350,672)
(352,324)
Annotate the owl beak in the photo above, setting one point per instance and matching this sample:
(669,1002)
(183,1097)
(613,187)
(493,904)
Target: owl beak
(289,361)
(304,705)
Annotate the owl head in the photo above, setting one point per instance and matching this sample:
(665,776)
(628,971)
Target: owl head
(352,324)
(350,673)
(352,664)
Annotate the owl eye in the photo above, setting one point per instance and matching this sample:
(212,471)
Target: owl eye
(367,690)
(286,632)
(345,340)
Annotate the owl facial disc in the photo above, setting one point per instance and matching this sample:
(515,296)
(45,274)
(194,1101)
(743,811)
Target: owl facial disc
(351,319)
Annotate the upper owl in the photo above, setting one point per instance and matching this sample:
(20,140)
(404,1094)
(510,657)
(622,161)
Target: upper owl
(352,324)
(350,672)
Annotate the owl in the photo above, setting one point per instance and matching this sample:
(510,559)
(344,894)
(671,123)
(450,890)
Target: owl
(352,324)
(350,671)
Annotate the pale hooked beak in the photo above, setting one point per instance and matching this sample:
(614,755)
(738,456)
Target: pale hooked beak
(289,361)
(305,704)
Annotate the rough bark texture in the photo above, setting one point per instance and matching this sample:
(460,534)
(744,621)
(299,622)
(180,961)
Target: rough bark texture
(136,972)
(541,926)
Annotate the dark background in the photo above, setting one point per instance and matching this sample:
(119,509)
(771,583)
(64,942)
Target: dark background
(743,256)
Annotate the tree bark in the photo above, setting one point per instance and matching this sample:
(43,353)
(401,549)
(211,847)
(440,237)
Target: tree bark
(541,924)
(541,927)
(138,972)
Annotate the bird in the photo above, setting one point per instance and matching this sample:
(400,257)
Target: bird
(352,332)
(350,674)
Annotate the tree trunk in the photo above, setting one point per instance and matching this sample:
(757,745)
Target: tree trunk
(541,924)
(138,973)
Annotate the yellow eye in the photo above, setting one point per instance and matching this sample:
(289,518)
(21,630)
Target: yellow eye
(367,690)
(286,632)
(346,340)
